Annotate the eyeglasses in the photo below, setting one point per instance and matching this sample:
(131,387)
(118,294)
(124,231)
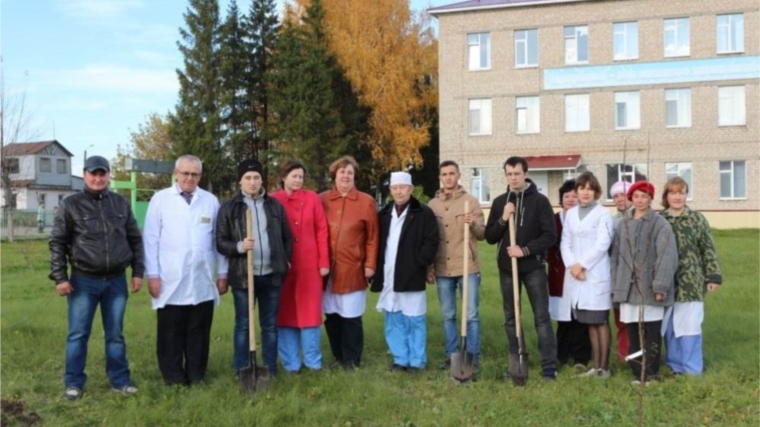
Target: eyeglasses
(193,175)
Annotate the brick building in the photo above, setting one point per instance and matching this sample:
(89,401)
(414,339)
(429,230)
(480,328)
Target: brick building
(627,89)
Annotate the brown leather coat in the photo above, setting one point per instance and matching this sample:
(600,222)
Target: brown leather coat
(354,237)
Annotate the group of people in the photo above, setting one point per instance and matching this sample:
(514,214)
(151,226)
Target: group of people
(318,254)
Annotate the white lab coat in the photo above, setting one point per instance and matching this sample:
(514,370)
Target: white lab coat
(408,303)
(180,247)
(586,242)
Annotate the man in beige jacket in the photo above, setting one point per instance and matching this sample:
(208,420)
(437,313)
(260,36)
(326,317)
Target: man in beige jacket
(448,207)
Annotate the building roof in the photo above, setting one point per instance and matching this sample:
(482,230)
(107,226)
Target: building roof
(549,163)
(24,148)
(473,5)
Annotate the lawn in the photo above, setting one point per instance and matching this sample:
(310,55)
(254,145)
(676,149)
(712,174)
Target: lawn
(33,320)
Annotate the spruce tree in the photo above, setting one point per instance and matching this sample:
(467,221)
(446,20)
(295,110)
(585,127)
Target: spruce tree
(197,124)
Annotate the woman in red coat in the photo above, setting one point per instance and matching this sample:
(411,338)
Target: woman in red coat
(300,316)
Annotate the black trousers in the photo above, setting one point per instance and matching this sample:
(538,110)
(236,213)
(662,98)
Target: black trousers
(652,344)
(573,342)
(182,341)
(346,337)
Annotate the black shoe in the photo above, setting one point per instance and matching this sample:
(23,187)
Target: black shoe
(445,365)
(350,366)
(397,368)
(414,369)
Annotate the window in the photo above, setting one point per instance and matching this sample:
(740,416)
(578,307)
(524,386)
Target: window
(480,117)
(12,165)
(60,198)
(479,51)
(41,200)
(730,34)
(61,166)
(577,113)
(684,171)
(621,172)
(731,106)
(526,48)
(676,37)
(479,185)
(678,108)
(733,180)
(627,110)
(527,114)
(46,164)
(576,45)
(625,40)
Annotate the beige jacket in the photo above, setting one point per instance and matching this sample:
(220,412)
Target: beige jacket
(449,210)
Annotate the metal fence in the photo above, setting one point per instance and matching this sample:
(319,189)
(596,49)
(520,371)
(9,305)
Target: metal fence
(26,224)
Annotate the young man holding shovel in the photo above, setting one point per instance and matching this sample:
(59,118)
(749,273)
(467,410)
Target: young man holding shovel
(535,234)
(447,271)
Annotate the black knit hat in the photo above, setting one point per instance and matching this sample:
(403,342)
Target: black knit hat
(249,165)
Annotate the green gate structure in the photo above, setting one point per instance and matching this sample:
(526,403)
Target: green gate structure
(135,166)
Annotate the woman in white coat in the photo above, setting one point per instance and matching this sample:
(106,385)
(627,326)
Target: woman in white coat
(586,239)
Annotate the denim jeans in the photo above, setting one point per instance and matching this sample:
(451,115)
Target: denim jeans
(447,296)
(268,298)
(537,288)
(112,296)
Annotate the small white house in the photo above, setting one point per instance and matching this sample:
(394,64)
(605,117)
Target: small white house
(40,174)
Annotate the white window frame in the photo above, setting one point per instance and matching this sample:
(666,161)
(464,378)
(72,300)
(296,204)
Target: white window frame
(685,171)
(522,43)
(731,172)
(680,30)
(732,106)
(632,102)
(475,49)
(572,45)
(578,112)
(479,185)
(625,172)
(529,108)
(731,28)
(485,123)
(624,30)
(681,98)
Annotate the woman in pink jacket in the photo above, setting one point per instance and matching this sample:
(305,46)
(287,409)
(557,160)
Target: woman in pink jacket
(300,316)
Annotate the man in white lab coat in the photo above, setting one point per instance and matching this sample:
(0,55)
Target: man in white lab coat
(180,262)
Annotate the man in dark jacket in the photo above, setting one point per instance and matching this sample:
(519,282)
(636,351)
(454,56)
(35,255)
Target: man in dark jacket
(97,234)
(271,245)
(408,243)
(535,234)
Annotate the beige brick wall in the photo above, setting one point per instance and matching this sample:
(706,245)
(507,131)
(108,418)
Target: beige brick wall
(704,144)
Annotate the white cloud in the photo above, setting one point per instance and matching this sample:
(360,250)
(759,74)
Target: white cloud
(98,9)
(117,78)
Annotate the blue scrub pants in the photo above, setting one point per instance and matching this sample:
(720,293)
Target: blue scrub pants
(684,354)
(406,337)
(306,341)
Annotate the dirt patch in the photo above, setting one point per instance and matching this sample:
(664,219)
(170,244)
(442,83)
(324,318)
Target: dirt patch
(14,413)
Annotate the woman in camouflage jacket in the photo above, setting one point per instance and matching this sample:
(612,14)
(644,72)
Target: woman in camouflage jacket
(698,273)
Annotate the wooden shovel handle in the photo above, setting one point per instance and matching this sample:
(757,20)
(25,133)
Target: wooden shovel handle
(515,278)
(466,270)
(249,269)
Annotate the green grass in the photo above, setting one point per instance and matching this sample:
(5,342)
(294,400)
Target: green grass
(34,327)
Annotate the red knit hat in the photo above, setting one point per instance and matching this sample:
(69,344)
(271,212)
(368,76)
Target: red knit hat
(644,186)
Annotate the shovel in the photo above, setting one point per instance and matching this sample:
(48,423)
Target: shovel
(252,377)
(462,361)
(518,364)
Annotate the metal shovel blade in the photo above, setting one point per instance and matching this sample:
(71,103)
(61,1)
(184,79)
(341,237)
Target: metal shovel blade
(253,378)
(462,366)
(518,369)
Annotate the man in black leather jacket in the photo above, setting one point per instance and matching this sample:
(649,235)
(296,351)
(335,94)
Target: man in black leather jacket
(95,232)
(272,247)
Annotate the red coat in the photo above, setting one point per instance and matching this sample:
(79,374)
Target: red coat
(556,265)
(301,298)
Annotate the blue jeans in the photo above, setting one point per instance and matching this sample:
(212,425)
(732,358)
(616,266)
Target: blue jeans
(83,301)
(536,286)
(306,341)
(268,298)
(447,296)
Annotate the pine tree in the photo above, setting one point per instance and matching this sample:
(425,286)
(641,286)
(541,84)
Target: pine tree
(310,125)
(197,123)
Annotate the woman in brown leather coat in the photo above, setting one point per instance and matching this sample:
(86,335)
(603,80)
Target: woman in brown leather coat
(353,229)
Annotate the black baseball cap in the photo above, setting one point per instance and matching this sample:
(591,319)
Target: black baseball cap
(94,163)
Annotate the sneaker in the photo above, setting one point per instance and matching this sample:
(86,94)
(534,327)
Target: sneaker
(72,393)
(580,367)
(396,368)
(637,383)
(445,365)
(604,373)
(549,374)
(592,372)
(127,390)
